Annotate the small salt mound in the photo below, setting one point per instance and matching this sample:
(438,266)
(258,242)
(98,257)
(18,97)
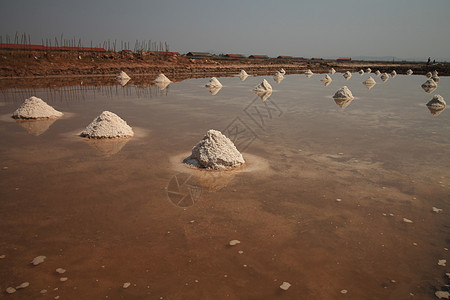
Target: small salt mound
(361,72)
(429,75)
(162,78)
(435,78)
(377,73)
(435,73)
(393,73)
(409,72)
(285,286)
(368,70)
(107,125)
(243,73)
(282,71)
(429,83)
(38,260)
(278,77)
(263,87)
(437,102)
(343,93)
(332,71)
(123,75)
(347,75)
(384,76)
(214,83)
(36,108)
(326,78)
(215,151)
(309,72)
(370,80)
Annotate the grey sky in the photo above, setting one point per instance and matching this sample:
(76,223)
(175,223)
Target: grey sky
(327,28)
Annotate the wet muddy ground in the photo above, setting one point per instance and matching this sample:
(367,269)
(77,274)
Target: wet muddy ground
(321,203)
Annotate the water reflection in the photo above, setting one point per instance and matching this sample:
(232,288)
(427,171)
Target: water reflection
(278,77)
(214,89)
(35,127)
(162,85)
(184,190)
(369,83)
(123,81)
(107,147)
(264,95)
(429,86)
(343,103)
(435,111)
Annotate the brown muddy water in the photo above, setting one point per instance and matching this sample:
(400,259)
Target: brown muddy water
(321,203)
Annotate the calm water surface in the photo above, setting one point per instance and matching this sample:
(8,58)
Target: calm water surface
(321,203)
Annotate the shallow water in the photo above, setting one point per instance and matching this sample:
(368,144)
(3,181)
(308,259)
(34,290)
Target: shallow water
(129,211)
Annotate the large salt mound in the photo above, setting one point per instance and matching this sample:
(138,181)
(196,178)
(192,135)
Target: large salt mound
(123,75)
(343,93)
(214,83)
(215,151)
(263,87)
(437,102)
(409,72)
(36,108)
(107,125)
(347,75)
(162,78)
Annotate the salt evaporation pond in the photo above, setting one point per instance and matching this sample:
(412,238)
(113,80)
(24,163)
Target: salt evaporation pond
(325,213)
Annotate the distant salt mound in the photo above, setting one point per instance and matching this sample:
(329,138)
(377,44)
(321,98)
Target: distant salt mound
(243,75)
(429,75)
(36,108)
(361,72)
(263,87)
(437,102)
(368,70)
(384,76)
(326,78)
(107,125)
(377,73)
(278,77)
(282,71)
(369,82)
(393,73)
(123,76)
(332,71)
(435,73)
(343,93)
(435,78)
(309,73)
(215,151)
(162,85)
(409,72)
(162,78)
(347,75)
(429,84)
(213,83)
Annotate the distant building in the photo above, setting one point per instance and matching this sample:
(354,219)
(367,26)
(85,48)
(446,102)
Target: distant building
(258,56)
(199,54)
(235,55)
(344,59)
(285,57)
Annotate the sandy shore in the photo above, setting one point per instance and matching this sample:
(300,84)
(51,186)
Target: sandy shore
(41,64)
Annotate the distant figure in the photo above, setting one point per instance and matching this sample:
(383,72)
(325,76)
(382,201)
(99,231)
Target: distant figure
(434,61)
(429,59)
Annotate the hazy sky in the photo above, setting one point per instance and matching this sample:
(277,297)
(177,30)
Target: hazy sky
(317,28)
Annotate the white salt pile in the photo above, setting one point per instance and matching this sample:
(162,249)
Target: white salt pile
(393,73)
(343,93)
(213,82)
(309,73)
(361,72)
(263,87)
(384,76)
(369,81)
(126,285)
(278,77)
(435,73)
(38,260)
(436,210)
(435,78)
(123,75)
(409,72)
(23,285)
(10,290)
(215,151)
(285,286)
(347,75)
(368,70)
(429,83)
(282,71)
(437,102)
(377,73)
(407,220)
(243,75)
(326,78)
(60,271)
(107,125)
(442,294)
(332,71)
(429,75)
(442,262)
(162,78)
(234,242)
(36,108)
